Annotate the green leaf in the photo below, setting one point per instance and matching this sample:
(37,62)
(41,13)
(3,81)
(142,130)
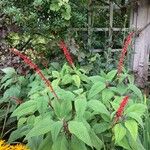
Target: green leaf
(110,75)
(42,105)
(66,79)
(64,94)
(5,78)
(55,74)
(54,6)
(107,95)
(98,107)
(136,117)
(80,131)
(61,143)
(21,121)
(96,142)
(132,126)
(67,13)
(13,91)
(57,108)
(40,128)
(96,79)
(25,108)
(37,2)
(96,88)
(77,144)
(119,132)
(18,133)
(135,145)
(56,128)
(124,143)
(7,83)
(100,127)
(136,108)
(136,90)
(78,92)
(46,143)
(80,106)
(9,70)
(77,80)
(66,107)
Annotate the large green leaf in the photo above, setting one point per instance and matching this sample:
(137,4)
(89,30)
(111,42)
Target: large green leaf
(66,79)
(119,132)
(41,127)
(136,117)
(64,94)
(132,126)
(77,80)
(57,108)
(136,108)
(9,70)
(25,108)
(80,131)
(46,144)
(110,75)
(98,107)
(54,6)
(18,133)
(107,94)
(96,79)
(55,74)
(96,88)
(61,143)
(56,128)
(136,90)
(77,144)
(13,91)
(66,107)
(100,127)
(124,143)
(96,141)
(42,105)
(80,106)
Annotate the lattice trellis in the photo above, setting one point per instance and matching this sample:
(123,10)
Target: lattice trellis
(106,26)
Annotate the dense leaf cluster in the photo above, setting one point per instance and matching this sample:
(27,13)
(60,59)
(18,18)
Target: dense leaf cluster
(82,117)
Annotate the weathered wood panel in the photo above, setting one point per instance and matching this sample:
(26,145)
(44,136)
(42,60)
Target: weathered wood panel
(140,18)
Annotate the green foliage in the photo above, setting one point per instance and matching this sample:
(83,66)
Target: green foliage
(13,90)
(77,119)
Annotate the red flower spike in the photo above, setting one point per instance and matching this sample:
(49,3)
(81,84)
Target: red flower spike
(35,68)
(121,108)
(63,46)
(123,52)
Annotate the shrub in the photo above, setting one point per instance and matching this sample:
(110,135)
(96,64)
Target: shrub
(84,117)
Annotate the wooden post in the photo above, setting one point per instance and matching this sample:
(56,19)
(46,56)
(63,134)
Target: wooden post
(140,18)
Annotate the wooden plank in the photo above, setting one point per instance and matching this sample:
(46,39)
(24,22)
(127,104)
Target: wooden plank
(110,21)
(101,50)
(141,17)
(99,29)
(89,23)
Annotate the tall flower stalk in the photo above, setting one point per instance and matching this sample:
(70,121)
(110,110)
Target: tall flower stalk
(123,52)
(121,108)
(35,68)
(64,48)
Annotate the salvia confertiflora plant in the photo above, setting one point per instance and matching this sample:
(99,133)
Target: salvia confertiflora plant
(79,112)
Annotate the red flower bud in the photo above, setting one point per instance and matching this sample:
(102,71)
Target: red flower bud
(123,52)
(121,108)
(63,46)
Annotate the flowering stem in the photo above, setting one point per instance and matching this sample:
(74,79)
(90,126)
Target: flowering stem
(35,68)
(64,48)
(123,52)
